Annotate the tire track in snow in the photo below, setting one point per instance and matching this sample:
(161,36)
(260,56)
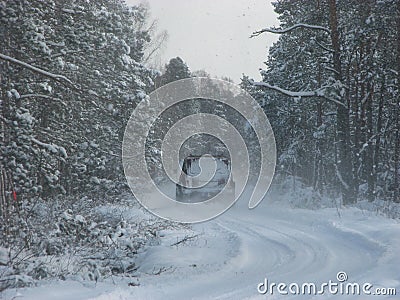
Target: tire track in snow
(295,252)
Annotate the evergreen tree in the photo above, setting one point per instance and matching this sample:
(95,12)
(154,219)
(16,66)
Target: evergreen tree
(71,74)
(176,69)
(326,90)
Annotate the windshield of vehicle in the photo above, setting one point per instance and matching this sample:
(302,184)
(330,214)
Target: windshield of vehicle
(208,167)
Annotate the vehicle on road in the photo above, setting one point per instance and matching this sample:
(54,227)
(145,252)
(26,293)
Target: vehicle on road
(194,186)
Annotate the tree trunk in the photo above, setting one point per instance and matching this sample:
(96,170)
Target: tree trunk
(343,125)
(378,132)
(369,105)
(369,161)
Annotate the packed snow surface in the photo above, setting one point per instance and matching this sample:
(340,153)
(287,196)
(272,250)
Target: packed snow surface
(228,257)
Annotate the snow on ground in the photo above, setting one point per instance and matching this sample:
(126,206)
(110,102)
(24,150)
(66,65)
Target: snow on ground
(228,257)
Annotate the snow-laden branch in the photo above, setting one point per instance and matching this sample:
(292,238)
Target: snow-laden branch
(324,47)
(59,78)
(331,69)
(285,30)
(51,147)
(289,93)
(35,69)
(302,94)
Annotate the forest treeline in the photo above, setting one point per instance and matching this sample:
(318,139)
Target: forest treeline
(71,74)
(331,91)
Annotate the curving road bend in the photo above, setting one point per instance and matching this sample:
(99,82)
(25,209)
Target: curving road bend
(238,250)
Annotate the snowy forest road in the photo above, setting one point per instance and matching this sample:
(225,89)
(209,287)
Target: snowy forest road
(228,257)
(241,248)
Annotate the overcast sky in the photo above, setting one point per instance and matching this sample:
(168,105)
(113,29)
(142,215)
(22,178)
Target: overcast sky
(213,35)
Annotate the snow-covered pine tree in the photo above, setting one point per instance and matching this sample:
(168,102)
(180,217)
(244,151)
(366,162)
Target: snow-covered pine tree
(71,74)
(330,77)
(175,69)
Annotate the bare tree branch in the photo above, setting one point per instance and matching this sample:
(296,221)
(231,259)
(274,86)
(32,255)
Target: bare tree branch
(56,77)
(302,94)
(159,42)
(324,47)
(285,30)
(185,239)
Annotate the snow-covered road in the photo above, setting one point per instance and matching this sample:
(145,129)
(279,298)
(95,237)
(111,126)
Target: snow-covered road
(228,257)
(284,245)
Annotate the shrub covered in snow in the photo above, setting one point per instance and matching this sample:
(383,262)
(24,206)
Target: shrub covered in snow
(81,239)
